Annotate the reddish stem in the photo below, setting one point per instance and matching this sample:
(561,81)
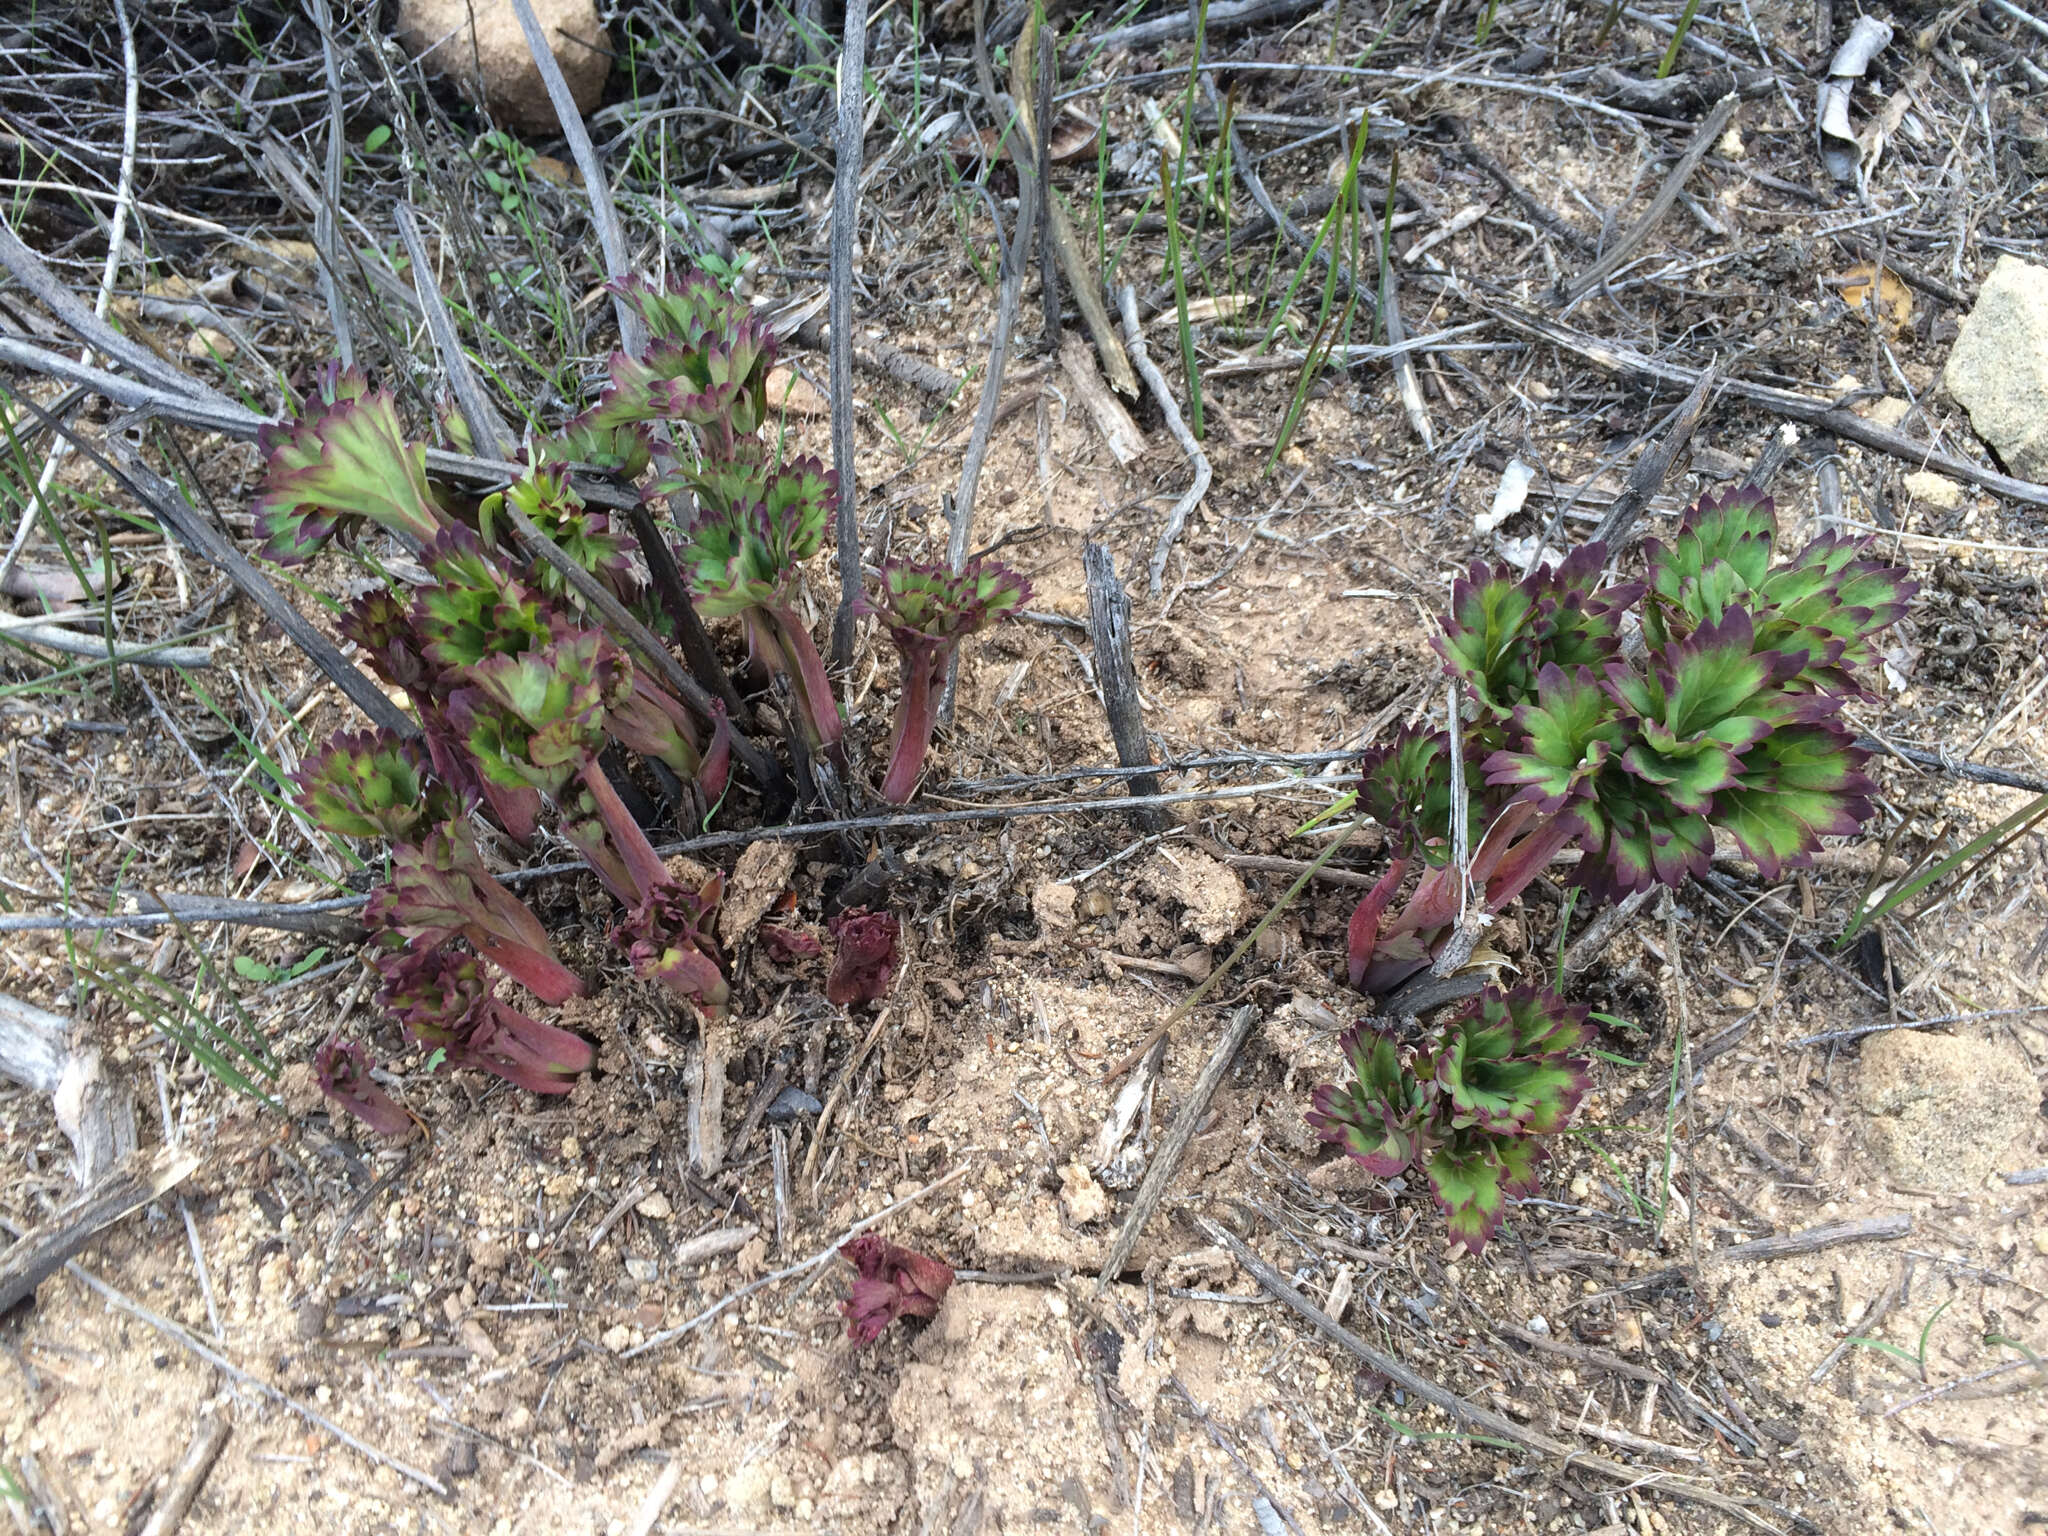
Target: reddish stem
(642,866)
(806,670)
(912,733)
(1363,935)
(542,975)
(1527,859)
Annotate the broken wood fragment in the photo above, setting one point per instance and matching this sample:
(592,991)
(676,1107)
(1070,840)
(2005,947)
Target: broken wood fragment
(1126,442)
(1833,1234)
(1167,1162)
(208,1438)
(43,1248)
(94,1109)
(1109,626)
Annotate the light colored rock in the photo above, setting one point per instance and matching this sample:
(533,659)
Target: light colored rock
(1944,1111)
(1998,368)
(1888,412)
(1082,1196)
(1053,904)
(1211,891)
(492,64)
(1936,490)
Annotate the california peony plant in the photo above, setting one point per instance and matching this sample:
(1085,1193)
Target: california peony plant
(1726,717)
(528,704)
(889,1282)
(341,1068)
(928,610)
(1465,1105)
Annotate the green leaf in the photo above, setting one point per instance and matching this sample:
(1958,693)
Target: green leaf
(1473,1175)
(252,970)
(376,138)
(1708,699)
(1502,630)
(1405,786)
(1798,785)
(1378,1118)
(1567,736)
(1506,1064)
(345,463)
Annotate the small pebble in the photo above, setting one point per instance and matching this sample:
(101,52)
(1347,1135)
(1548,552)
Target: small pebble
(790,1103)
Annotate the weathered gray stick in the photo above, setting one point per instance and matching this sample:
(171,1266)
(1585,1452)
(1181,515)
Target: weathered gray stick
(487,428)
(208,1439)
(52,638)
(1620,358)
(94,1108)
(1654,466)
(1833,1234)
(1226,15)
(604,215)
(1169,408)
(1166,1161)
(168,505)
(845,225)
(1704,139)
(330,193)
(1109,627)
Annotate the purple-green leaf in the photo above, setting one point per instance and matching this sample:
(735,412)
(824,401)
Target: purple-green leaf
(346,462)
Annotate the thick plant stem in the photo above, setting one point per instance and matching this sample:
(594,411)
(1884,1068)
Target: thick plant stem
(545,977)
(614,844)
(1363,933)
(806,671)
(915,718)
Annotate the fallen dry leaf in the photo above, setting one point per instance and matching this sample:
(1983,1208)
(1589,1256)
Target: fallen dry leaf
(1892,300)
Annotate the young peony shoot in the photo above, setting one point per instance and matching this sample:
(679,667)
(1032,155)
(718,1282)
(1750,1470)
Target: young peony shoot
(477,611)
(1465,1105)
(374,785)
(1729,720)
(595,540)
(890,1282)
(342,1069)
(440,887)
(444,1002)
(344,462)
(382,626)
(671,938)
(755,526)
(537,719)
(928,611)
(706,366)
